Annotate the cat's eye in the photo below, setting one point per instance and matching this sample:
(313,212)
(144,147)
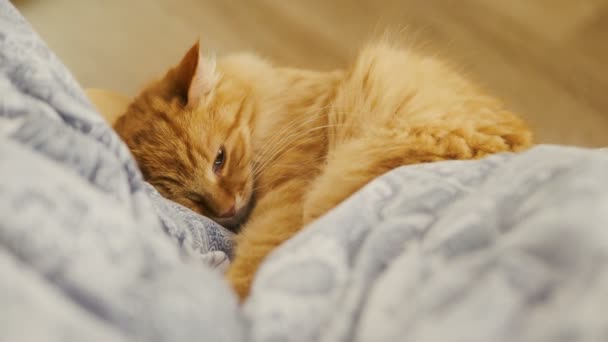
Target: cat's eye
(219,160)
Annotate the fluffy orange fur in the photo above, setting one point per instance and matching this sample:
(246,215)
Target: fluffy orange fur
(298,142)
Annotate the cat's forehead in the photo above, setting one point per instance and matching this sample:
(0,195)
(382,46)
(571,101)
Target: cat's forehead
(209,128)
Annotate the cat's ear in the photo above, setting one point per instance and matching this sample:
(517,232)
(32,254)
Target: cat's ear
(204,78)
(195,76)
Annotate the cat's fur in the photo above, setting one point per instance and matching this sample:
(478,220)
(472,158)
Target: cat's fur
(302,141)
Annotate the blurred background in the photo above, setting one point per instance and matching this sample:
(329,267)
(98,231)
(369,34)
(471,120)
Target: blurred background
(547,59)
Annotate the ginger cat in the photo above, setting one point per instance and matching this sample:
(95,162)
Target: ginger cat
(217,137)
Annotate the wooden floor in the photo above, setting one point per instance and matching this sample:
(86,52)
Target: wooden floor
(547,59)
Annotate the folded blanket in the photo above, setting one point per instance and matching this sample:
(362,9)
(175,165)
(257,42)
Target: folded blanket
(508,248)
(89,251)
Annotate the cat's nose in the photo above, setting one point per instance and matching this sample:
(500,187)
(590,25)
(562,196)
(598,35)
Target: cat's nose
(229,213)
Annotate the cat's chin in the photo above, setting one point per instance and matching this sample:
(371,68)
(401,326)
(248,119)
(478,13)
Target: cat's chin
(234,223)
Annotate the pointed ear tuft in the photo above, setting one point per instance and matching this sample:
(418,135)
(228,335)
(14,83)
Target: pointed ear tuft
(203,80)
(193,78)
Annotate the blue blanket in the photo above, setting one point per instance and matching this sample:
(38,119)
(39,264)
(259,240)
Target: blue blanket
(509,248)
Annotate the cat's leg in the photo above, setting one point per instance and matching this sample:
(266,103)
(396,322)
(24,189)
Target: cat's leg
(353,164)
(276,218)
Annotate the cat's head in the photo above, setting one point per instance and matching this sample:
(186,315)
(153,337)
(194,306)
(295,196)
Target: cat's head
(191,137)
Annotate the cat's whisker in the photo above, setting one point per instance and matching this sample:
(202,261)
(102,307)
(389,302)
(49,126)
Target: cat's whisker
(276,144)
(278,139)
(293,125)
(279,149)
(287,165)
(302,119)
(281,139)
(288,147)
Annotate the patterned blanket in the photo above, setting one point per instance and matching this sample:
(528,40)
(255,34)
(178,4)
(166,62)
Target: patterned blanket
(509,248)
